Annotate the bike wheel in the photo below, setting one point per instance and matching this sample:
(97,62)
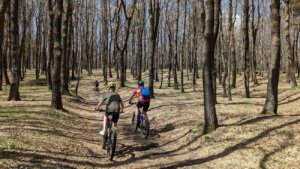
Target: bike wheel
(134,124)
(145,127)
(113,143)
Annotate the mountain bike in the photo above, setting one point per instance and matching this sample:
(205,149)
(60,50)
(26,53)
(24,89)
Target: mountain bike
(141,122)
(109,138)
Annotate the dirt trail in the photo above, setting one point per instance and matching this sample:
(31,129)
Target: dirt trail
(34,135)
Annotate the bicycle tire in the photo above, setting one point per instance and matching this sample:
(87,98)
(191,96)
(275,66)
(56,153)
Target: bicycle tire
(146,127)
(113,143)
(134,123)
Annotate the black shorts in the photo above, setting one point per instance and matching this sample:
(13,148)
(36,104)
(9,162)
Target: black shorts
(145,106)
(115,116)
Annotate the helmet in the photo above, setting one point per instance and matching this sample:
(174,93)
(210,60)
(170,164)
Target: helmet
(141,83)
(111,85)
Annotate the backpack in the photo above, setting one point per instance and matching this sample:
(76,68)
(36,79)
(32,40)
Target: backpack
(146,94)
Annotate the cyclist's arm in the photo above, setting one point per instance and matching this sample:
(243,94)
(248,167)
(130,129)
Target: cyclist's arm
(102,102)
(130,99)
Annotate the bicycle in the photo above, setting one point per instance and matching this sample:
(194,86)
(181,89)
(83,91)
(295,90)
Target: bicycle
(109,141)
(141,122)
(96,90)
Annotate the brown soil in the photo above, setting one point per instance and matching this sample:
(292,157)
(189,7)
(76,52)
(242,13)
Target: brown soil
(32,135)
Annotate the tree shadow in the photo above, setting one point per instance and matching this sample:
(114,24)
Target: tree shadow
(267,156)
(289,101)
(250,121)
(231,149)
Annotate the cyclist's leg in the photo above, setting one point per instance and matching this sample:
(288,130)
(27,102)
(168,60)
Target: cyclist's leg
(115,119)
(138,109)
(105,123)
(145,109)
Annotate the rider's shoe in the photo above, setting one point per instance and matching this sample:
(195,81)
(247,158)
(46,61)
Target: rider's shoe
(101,132)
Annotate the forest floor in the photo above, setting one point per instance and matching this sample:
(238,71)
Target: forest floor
(32,135)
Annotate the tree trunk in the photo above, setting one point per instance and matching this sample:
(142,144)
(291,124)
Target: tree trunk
(3,8)
(210,117)
(183,45)
(217,9)
(57,37)
(290,63)
(66,48)
(15,57)
(254,35)
(104,38)
(154,12)
(271,102)
(231,46)
(246,48)
(51,45)
(234,67)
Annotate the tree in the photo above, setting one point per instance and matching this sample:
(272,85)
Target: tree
(141,22)
(154,12)
(125,41)
(210,117)
(246,48)
(183,45)
(15,57)
(254,29)
(3,8)
(271,102)
(66,49)
(57,36)
(290,63)
(231,46)
(104,38)
(51,44)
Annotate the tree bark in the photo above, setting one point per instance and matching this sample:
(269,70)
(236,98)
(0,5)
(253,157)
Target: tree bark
(246,48)
(154,12)
(66,49)
(210,117)
(254,35)
(183,45)
(290,63)
(57,35)
(141,21)
(104,38)
(217,9)
(15,57)
(3,8)
(271,103)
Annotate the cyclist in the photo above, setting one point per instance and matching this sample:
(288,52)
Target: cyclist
(96,88)
(142,101)
(114,106)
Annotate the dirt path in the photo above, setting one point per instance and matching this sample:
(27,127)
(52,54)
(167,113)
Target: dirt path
(32,135)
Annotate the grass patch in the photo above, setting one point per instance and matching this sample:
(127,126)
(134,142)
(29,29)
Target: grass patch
(6,144)
(21,113)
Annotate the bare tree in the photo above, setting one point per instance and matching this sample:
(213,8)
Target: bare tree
(254,29)
(3,8)
(104,38)
(125,41)
(210,116)
(15,57)
(246,48)
(271,102)
(290,63)
(57,36)
(154,12)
